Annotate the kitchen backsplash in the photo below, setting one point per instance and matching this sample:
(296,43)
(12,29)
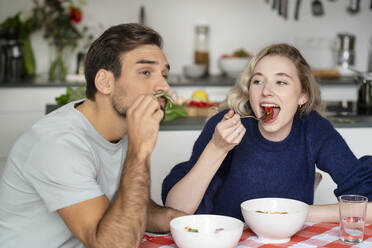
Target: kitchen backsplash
(233,25)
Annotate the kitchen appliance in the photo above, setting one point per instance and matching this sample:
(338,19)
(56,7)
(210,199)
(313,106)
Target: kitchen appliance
(11,56)
(364,103)
(369,69)
(345,53)
(2,61)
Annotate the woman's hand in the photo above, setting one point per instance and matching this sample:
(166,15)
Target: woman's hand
(229,132)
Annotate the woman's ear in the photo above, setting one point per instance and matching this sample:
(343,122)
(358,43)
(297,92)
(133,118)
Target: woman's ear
(304,98)
(104,81)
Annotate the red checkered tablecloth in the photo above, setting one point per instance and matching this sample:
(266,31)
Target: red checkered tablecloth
(312,235)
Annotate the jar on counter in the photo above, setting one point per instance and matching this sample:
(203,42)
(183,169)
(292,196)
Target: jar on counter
(369,69)
(201,53)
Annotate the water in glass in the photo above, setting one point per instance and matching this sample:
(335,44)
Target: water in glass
(352,229)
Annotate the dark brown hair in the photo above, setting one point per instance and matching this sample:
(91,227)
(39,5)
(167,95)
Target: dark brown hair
(106,51)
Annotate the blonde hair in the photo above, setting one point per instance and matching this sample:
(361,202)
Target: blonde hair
(238,97)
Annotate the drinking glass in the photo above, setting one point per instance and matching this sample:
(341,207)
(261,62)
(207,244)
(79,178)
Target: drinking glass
(352,210)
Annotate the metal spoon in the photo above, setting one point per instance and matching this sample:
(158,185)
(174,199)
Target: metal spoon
(264,117)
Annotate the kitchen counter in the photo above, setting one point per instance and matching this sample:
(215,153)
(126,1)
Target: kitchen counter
(197,123)
(174,81)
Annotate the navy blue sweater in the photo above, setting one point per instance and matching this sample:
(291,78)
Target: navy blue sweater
(261,168)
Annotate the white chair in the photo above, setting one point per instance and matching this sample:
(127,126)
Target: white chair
(318,178)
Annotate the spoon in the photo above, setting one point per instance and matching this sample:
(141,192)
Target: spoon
(266,116)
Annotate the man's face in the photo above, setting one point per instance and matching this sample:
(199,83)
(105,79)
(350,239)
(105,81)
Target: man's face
(144,71)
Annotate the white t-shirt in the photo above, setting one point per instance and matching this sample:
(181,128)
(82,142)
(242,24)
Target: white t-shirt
(60,161)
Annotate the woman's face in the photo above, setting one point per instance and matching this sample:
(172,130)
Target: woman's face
(275,83)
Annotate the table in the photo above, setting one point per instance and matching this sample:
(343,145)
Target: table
(312,235)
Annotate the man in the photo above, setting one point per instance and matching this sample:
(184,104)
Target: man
(81,175)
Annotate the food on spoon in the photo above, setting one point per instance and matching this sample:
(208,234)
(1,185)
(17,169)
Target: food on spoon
(189,229)
(267,212)
(269,112)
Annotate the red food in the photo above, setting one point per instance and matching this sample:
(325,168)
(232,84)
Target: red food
(198,104)
(268,110)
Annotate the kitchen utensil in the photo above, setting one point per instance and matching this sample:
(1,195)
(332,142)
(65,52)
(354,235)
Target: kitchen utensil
(364,102)
(264,117)
(317,8)
(369,69)
(352,209)
(345,50)
(233,66)
(297,9)
(280,7)
(274,220)
(206,235)
(142,15)
(275,3)
(194,70)
(354,6)
(285,8)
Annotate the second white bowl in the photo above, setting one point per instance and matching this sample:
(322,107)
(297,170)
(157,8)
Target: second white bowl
(274,220)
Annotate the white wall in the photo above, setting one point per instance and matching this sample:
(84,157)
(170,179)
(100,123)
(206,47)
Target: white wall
(234,24)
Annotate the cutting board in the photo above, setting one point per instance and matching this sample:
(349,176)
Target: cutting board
(194,111)
(326,73)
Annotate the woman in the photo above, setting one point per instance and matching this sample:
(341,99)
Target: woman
(237,159)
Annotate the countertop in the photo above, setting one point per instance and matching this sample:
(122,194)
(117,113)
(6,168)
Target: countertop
(174,81)
(197,123)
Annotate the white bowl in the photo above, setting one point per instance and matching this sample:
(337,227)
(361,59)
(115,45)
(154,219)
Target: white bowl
(207,236)
(233,66)
(273,227)
(194,71)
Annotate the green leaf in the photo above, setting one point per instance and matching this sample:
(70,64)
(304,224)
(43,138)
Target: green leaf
(174,112)
(72,94)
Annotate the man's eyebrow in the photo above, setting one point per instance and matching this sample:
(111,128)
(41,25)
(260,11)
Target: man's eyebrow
(144,61)
(151,62)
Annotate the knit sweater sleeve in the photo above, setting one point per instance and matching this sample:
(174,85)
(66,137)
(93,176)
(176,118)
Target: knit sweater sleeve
(181,169)
(333,155)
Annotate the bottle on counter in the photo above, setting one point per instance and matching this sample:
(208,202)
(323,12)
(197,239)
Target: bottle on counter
(369,69)
(201,54)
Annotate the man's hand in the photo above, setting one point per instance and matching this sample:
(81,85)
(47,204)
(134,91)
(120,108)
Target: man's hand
(229,132)
(158,217)
(143,119)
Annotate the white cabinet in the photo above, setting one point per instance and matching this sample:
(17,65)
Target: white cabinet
(19,109)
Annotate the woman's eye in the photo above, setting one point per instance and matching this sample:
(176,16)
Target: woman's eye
(256,81)
(282,83)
